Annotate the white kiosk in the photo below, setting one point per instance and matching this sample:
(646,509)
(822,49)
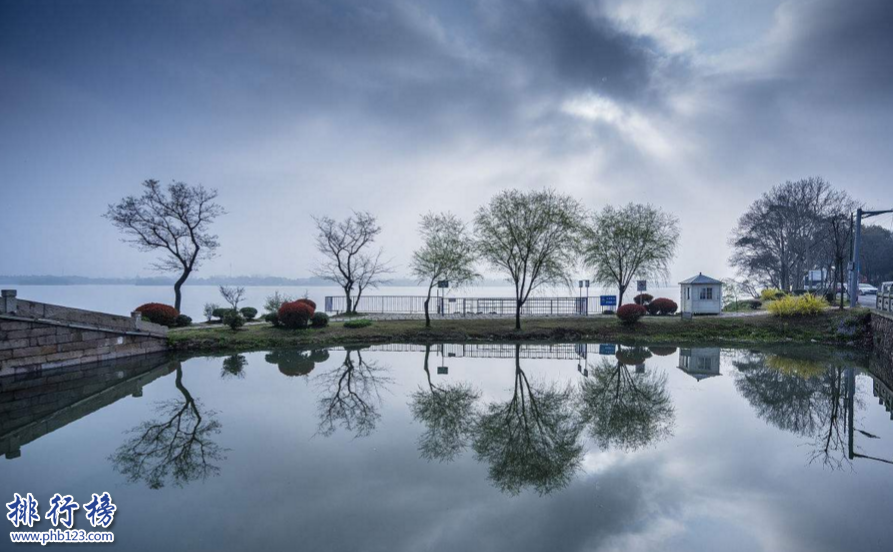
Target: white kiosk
(701,295)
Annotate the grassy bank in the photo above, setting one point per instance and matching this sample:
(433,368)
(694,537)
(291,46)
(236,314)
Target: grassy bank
(824,328)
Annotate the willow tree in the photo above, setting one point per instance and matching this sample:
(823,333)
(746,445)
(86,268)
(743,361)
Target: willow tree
(176,223)
(634,241)
(448,253)
(531,237)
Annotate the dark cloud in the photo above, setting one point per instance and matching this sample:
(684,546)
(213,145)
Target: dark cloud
(437,102)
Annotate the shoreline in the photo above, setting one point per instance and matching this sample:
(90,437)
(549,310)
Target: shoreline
(832,327)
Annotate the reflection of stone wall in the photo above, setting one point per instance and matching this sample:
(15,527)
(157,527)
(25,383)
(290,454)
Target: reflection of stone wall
(33,404)
(882,332)
(36,335)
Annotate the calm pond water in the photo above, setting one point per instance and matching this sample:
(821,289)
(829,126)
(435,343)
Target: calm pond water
(475,447)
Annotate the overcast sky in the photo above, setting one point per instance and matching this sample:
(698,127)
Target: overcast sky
(300,108)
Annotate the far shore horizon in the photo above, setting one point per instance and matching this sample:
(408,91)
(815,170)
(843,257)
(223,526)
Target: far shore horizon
(254,281)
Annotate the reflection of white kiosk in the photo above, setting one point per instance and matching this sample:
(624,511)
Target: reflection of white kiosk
(701,295)
(700,363)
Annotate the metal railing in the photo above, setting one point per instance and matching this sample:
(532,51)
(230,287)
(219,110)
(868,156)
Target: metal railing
(559,351)
(462,306)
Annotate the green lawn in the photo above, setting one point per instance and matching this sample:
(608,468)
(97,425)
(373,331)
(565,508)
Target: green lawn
(598,329)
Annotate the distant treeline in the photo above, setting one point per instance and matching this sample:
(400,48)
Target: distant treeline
(46,280)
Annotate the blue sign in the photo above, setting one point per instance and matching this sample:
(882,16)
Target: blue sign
(608,300)
(607,349)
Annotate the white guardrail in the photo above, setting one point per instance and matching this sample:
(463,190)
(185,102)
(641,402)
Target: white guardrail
(884,300)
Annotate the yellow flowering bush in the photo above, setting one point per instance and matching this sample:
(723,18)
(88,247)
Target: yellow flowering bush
(804,305)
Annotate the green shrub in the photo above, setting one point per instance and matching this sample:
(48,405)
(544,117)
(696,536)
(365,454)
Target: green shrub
(804,305)
(643,299)
(248,312)
(220,313)
(771,294)
(358,323)
(183,321)
(233,319)
(319,320)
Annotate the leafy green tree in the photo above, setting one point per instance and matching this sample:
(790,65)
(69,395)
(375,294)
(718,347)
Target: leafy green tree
(531,237)
(634,241)
(448,253)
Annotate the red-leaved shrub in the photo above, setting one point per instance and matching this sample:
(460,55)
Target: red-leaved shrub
(662,306)
(159,313)
(643,298)
(309,303)
(295,314)
(630,313)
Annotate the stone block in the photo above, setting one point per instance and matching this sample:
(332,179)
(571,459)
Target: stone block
(13,325)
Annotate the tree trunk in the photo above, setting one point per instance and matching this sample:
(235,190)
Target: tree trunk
(518,314)
(621,290)
(427,317)
(347,301)
(178,295)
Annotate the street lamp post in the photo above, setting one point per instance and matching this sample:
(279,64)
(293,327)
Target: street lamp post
(857,244)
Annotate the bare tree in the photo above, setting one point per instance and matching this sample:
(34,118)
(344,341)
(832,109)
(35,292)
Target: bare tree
(840,237)
(785,232)
(635,241)
(346,260)
(532,237)
(176,222)
(232,295)
(371,272)
(448,253)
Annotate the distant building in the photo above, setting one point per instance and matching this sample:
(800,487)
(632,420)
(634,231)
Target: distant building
(701,295)
(700,363)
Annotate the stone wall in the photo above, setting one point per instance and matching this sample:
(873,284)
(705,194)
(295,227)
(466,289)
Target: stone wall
(40,336)
(35,403)
(882,334)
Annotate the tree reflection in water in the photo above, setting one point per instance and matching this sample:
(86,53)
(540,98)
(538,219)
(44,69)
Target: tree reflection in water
(350,396)
(297,362)
(533,440)
(804,396)
(177,448)
(449,414)
(624,410)
(234,367)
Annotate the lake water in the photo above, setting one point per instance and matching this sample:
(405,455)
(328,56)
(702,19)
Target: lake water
(465,447)
(123,299)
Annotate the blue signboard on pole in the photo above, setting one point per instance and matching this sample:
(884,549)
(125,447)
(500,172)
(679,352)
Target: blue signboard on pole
(608,300)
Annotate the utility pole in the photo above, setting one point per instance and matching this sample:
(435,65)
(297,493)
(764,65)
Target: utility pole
(857,243)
